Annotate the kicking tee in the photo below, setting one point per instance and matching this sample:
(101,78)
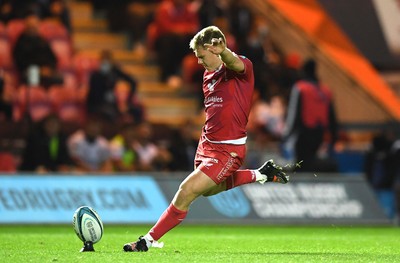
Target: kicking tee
(227,101)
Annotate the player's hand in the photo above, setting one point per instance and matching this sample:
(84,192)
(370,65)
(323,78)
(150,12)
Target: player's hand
(217,46)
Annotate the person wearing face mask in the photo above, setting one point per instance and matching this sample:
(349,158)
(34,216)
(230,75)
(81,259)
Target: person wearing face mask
(101,98)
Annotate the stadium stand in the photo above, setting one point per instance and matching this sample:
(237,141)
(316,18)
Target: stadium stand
(78,50)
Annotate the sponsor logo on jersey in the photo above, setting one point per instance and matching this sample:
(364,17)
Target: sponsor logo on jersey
(213,99)
(211,86)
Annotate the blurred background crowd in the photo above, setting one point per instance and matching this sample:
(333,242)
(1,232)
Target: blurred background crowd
(52,90)
(78,107)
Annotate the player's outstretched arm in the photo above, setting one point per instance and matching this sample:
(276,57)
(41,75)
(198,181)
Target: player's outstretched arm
(230,59)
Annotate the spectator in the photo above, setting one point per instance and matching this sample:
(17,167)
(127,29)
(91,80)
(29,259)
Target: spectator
(116,14)
(175,24)
(6,11)
(6,110)
(46,148)
(270,116)
(241,20)
(32,49)
(101,98)
(380,170)
(140,13)
(123,155)
(208,10)
(310,114)
(286,73)
(378,165)
(253,47)
(261,147)
(89,149)
(182,146)
(128,108)
(395,153)
(13,9)
(152,157)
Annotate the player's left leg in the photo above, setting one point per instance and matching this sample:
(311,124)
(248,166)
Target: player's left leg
(192,187)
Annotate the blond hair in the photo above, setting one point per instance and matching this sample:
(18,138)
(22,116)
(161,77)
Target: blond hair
(205,35)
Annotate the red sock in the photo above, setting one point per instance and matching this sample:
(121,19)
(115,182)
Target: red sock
(171,217)
(240,177)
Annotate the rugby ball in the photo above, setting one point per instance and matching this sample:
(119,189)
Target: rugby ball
(87,224)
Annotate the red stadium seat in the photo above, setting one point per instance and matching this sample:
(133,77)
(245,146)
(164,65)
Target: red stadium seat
(70,79)
(63,51)
(84,65)
(67,104)
(6,60)
(7,163)
(51,30)
(3,30)
(34,99)
(14,29)
(10,84)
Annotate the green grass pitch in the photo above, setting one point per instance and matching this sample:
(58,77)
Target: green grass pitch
(225,243)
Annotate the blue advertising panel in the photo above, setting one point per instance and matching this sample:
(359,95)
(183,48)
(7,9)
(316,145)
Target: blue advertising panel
(328,199)
(141,199)
(53,199)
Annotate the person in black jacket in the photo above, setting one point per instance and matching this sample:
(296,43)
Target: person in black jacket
(46,148)
(6,108)
(101,99)
(379,164)
(381,169)
(32,49)
(183,147)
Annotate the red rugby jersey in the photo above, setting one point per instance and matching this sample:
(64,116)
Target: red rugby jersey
(228,96)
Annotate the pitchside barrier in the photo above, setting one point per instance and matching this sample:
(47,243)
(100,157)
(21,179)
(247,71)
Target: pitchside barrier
(141,198)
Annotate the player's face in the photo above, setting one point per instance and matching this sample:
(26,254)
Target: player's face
(207,59)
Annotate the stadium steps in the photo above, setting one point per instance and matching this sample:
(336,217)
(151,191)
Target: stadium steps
(143,73)
(180,110)
(148,89)
(98,40)
(164,105)
(82,18)
(80,10)
(123,56)
(89,25)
